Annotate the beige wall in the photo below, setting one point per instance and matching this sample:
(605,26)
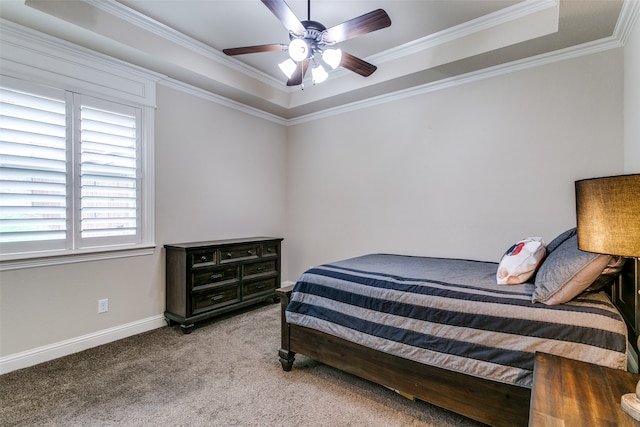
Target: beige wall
(460,172)
(220,173)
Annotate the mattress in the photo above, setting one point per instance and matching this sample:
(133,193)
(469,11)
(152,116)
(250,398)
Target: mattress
(450,313)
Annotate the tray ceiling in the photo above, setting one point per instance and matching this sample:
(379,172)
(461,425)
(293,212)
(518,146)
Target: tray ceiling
(428,41)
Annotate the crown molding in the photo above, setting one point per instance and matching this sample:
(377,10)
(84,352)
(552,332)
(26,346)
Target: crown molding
(221,100)
(151,25)
(474,76)
(629,14)
(24,51)
(465,29)
(628,17)
(590,48)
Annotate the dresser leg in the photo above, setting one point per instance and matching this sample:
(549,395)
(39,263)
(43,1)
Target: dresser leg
(187,329)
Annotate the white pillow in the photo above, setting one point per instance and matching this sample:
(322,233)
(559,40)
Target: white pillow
(520,261)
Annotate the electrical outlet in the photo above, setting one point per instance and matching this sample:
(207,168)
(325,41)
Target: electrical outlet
(103,305)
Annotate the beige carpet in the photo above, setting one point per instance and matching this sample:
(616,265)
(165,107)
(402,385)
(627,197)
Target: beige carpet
(226,373)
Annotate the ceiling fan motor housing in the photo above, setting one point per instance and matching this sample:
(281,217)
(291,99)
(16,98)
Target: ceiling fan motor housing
(313,36)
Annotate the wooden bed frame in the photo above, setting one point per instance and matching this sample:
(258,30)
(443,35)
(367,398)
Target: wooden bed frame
(490,402)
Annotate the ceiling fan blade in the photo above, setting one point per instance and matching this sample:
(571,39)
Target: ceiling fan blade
(357,65)
(255,49)
(364,24)
(298,75)
(282,11)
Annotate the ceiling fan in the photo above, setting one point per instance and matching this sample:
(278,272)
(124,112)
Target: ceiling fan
(310,41)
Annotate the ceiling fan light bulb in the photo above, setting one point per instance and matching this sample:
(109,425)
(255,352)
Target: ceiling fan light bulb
(332,57)
(319,74)
(288,67)
(298,50)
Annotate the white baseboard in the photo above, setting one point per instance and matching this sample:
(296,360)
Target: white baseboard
(63,348)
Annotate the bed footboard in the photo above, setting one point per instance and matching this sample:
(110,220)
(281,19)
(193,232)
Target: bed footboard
(486,401)
(286,355)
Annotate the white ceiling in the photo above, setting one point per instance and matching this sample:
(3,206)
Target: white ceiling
(428,41)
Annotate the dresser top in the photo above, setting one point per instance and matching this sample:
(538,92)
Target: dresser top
(192,245)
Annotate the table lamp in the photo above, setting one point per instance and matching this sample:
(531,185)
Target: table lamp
(608,222)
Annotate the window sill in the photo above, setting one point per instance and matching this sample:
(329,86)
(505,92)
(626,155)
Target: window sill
(16,264)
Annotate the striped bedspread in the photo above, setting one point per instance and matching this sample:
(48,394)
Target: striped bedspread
(451,313)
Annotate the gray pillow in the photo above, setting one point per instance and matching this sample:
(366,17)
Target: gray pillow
(567,272)
(560,239)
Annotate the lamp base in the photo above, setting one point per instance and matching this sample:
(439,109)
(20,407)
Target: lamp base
(631,405)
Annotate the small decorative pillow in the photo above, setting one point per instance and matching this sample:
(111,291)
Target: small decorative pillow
(567,272)
(520,261)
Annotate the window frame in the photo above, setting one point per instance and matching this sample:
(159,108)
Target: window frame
(99,78)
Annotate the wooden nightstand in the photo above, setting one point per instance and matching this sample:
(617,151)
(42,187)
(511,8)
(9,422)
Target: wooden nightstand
(571,393)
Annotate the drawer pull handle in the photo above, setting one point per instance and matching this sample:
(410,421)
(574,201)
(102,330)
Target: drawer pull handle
(217,297)
(203,258)
(269,250)
(260,287)
(216,276)
(229,254)
(260,268)
(249,253)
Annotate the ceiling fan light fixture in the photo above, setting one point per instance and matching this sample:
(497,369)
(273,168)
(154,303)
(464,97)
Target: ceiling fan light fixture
(319,74)
(288,67)
(308,39)
(332,57)
(298,50)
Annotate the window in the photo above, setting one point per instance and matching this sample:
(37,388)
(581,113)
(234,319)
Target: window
(70,172)
(76,153)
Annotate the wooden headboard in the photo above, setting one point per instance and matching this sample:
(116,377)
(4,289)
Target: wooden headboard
(624,295)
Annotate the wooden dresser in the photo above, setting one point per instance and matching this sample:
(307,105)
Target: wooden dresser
(205,279)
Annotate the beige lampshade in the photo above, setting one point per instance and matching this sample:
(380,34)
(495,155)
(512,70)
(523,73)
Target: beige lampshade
(608,215)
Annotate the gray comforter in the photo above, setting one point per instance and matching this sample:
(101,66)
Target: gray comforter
(451,313)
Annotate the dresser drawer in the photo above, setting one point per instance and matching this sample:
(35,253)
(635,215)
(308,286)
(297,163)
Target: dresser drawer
(202,258)
(215,298)
(209,275)
(259,268)
(237,253)
(258,288)
(270,249)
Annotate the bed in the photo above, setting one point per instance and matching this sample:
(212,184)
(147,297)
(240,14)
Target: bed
(441,330)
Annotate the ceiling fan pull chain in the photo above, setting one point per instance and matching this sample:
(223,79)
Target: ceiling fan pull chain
(308,10)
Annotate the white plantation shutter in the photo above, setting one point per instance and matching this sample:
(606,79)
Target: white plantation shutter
(70,171)
(33,167)
(77,166)
(109,170)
